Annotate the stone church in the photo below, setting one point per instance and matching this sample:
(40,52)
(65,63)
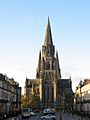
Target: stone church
(53,91)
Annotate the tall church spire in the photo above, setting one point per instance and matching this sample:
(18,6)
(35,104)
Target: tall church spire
(58,67)
(39,66)
(57,59)
(39,61)
(48,35)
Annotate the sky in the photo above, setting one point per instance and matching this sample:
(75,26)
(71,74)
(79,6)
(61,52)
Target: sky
(22,31)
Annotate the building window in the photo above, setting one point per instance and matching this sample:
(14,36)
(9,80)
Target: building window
(47,65)
(88,91)
(29,82)
(37,90)
(0,83)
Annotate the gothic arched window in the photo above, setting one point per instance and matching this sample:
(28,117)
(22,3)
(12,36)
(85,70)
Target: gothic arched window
(47,65)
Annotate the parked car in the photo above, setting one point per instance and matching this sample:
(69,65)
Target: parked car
(13,118)
(48,117)
(32,114)
(52,112)
(48,111)
(45,111)
(26,112)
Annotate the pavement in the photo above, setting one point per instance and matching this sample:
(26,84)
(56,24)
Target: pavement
(80,117)
(67,116)
(20,117)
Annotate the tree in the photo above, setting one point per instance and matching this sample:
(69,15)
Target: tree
(24,102)
(33,100)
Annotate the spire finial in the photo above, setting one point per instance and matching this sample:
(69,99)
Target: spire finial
(48,22)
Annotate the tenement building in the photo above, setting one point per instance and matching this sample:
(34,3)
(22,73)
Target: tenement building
(82,98)
(53,91)
(10,95)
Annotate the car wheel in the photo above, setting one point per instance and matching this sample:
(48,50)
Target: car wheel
(53,119)
(44,118)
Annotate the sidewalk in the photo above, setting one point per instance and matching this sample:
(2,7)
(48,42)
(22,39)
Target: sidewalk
(67,116)
(80,118)
(20,117)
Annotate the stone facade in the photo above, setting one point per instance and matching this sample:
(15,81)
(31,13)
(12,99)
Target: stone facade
(48,83)
(10,95)
(82,97)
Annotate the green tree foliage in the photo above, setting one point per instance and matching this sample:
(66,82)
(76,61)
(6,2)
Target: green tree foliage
(33,100)
(24,102)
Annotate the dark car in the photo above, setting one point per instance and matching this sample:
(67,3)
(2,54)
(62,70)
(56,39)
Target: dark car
(13,118)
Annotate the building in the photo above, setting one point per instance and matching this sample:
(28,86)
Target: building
(82,97)
(10,95)
(48,85)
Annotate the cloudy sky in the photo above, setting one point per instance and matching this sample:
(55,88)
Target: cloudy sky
(22,31)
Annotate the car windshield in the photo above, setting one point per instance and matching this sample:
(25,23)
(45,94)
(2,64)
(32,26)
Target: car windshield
(25,110)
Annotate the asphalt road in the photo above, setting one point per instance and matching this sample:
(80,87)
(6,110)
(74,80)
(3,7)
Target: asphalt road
(37,117)
(64,116)
(57,114)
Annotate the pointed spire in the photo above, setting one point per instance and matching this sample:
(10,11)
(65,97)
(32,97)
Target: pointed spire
(57,59)
(58,67)
(39,61)
(48,35)
(39,66)
(48,22)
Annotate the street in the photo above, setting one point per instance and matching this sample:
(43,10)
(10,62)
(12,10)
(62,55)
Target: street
(34,117)
(65,116)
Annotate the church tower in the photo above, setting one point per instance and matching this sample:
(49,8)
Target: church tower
(51,90)
(48,70)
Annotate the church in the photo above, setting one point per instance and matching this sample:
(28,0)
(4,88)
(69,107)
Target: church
(52,90)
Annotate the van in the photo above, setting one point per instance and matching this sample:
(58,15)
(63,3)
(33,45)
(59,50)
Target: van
(26,112)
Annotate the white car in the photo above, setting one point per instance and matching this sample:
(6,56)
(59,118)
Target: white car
(33,114)
(48,111)
(26,112)
(48,117)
